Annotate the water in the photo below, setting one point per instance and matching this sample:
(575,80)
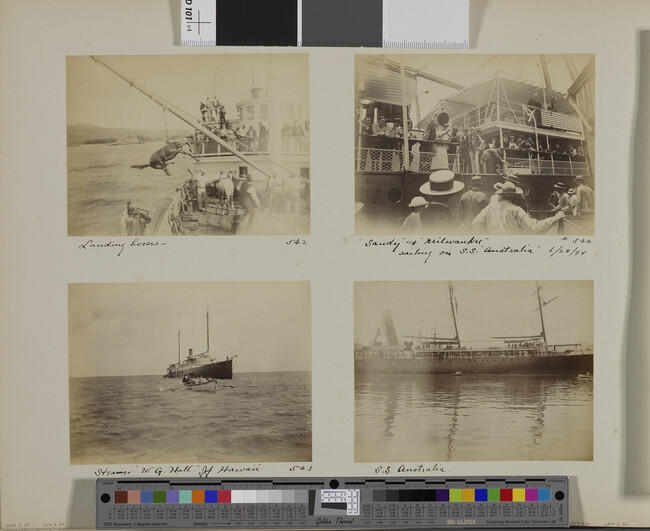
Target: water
(101,181)
(265,417)
(432,418)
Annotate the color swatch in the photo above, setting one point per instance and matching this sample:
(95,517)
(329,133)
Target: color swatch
(290,496)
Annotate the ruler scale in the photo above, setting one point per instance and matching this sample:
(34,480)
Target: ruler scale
(333,502)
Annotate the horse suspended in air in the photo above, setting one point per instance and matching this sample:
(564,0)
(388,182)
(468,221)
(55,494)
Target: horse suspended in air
(161,158)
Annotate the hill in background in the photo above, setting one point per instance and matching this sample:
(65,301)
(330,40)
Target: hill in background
(94,134)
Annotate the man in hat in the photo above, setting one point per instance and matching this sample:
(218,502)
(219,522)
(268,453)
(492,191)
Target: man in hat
(573,201)
(443,190)
(584,196)
(520,199)
(472,202)
(397,131)
(504,217)
(564,201)
(249,199)
(554,198)
(380,128)
(413,223)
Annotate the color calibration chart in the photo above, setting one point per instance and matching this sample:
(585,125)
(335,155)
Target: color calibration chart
(331,23)
(333,502)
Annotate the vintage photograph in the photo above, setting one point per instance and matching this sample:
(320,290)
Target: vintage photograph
(473,371)
(164,145)
(474,144)
(190,372)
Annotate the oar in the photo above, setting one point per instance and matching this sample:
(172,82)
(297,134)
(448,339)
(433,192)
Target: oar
(172,388)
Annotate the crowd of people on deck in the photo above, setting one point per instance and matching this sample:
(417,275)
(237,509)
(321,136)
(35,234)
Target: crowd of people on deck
(213,116)
(502,211)
(295,138)
(476,153)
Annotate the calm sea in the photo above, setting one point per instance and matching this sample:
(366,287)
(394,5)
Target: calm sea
(255,417)
(101,181)
(432,418)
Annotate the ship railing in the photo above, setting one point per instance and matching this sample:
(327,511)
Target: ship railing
(505,112)
(380,160)
(209,148)
(547,164)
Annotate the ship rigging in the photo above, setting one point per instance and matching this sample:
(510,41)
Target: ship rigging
(449,355)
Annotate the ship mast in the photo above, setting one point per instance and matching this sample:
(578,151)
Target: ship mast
(453,312)
(207,330)
(541,315)
(179,345)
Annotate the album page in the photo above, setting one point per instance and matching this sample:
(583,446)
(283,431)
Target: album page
(325,262)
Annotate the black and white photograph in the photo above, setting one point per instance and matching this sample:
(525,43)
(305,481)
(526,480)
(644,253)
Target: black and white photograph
(474,144)
(473,371)
(188,145)
(190,372)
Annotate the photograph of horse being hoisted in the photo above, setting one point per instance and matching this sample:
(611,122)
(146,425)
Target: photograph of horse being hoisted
(474,144)
(188,145)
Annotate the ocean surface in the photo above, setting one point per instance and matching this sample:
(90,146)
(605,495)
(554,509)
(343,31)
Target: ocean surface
(255,417)
(436,418)
(101,181)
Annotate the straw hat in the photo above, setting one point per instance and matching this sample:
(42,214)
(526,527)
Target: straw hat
(418,201)
(508,189)
(498,187)
(441,182)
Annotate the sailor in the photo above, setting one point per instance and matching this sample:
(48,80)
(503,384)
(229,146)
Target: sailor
(438,216)
(472,202)
(504,217)
(413,223)
(584,196)
(249,199)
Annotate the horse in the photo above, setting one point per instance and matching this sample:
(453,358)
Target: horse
(225,191)
(161,158)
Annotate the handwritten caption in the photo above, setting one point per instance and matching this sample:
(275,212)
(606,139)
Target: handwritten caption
(425,247)
(120,246)
(201,471)
(382,470)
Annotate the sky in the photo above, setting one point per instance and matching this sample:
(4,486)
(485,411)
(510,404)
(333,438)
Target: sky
(485,309)
(132,328)
(98,97)
(470,69)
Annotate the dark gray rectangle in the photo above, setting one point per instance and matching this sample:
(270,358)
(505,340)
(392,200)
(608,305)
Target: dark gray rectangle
(342,23)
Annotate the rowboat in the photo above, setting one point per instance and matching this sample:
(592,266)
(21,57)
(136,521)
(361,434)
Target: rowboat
(197,385)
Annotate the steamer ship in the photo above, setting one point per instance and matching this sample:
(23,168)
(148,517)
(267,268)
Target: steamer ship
(448,355)
(200,365)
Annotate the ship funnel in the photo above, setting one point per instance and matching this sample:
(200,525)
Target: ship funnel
(190,354)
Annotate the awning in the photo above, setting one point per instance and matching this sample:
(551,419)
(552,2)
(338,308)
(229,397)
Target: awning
(381,81)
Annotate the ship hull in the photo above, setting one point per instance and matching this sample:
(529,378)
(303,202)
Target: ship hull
(547,364)
(220,370)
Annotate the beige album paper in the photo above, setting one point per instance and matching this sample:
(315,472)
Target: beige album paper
(347,309)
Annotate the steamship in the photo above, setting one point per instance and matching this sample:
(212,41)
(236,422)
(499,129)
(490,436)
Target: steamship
(200,365)
(391,169)
(447,355)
